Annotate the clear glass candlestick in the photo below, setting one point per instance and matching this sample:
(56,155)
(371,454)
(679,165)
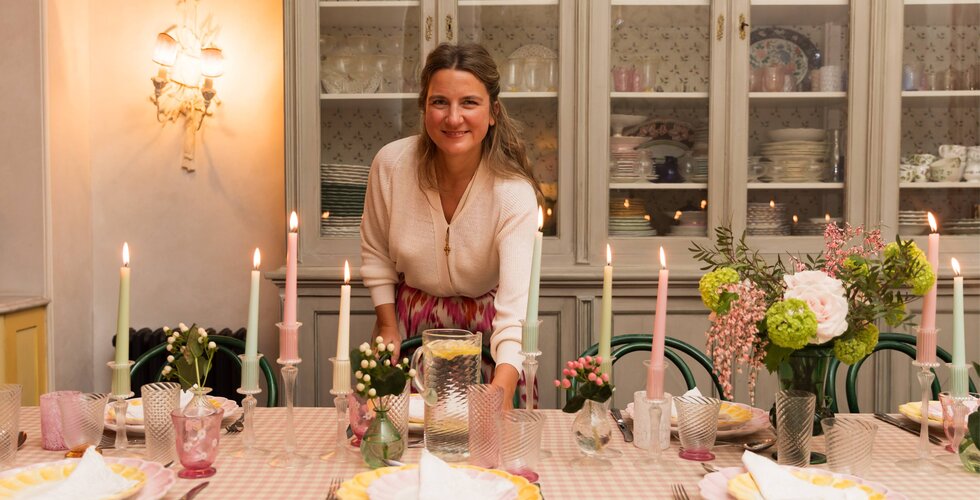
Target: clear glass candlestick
(342,452)
(530,375)
(923,462)
(120,394)
(289,457)
(248,449)
(657,409)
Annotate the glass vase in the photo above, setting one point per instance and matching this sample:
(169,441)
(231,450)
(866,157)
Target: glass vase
(806,370)
(592,429)
(199,405)
(969,454)
(381,441)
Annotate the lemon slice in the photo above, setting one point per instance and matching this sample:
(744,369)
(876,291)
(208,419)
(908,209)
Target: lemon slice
(449,349)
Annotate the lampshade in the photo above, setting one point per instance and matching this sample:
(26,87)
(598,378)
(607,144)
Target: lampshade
(165,50)
(212,62)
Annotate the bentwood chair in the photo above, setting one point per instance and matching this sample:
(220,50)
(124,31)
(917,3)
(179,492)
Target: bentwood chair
(228,348)
(622,345)
(899,342)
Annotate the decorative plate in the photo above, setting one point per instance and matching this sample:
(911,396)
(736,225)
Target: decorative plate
(154,479)
(134,424)
(401,480)
(758,421)
(773,45)
(736,482)
(911,411)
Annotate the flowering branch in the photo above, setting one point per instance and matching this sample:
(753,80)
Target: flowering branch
(590,383)
(186,346)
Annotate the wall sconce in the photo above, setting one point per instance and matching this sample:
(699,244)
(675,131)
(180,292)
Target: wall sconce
(184,84)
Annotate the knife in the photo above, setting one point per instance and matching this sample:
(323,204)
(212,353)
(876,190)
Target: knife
(195,490)
(618,417)
(913,429)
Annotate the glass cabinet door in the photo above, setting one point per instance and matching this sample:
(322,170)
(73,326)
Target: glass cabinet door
(940,131)
(658,162)
(523,39)
(797,74)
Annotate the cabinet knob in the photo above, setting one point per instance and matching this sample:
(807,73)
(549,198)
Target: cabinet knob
(428,28)
(721,27)
(741,26)
(449,28)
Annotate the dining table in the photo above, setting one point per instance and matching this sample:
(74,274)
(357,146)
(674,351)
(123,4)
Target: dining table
(558,478)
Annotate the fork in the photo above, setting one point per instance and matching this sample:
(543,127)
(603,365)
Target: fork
(237,425)
(678,492)
(332,489)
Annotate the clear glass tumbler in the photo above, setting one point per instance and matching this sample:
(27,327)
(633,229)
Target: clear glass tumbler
(9,422)
(849,444)
(513,75)
(160,399)
(794,426)
(520,440)
(485,402)
(82,421)
(697,426)
(51,438)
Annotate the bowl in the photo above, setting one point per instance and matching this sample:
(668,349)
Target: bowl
(619,122)
(797,134)
(625,143)
(913,229)
(946,170)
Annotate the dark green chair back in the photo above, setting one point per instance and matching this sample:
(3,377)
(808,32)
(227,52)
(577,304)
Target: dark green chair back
(229,347)
(900,342)
(411,344)
(622,345)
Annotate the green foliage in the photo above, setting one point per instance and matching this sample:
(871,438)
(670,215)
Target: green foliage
(189,356)
(735,254)
(587,392)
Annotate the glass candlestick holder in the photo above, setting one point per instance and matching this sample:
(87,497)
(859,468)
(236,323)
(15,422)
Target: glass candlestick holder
(656,433)
(342,452)
(249,390)
(923,461)
(121,392)
(289,457)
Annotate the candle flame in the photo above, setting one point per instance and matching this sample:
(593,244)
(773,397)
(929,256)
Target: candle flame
(795,219)
(772,203)
(626,203)
(540,217)
(826,217)
(125,254)
(325,215)
(256,259)
(549,212)
(646,217)
(293,222)
(663,258)
(932,222)
(704,204)
(608,255)
(956,266)
(677,215)
(346,272)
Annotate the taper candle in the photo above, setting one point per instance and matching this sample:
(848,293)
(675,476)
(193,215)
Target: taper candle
(926,341)
(605,325)
(252,334)
(959,370)
(122,317)
(289,301)
(655,374)
(341,368)
(530,341)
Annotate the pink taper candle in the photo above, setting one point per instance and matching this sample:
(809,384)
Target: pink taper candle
(289,302)
(926,341)
(655,375)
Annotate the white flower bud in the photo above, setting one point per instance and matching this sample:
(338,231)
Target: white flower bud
(365,347)
(391,347)
(176,335)
(170,359)
(201,331)
(358,374)
(364,363)
(166,329)
(411,373)
(366,377)
(182,327)
(381,347)
(405,360)
(170,340)
(374,364)
(212,346)
(167,369)
(380,340)
(170,347)
(387,362)
(360,387)
(372,392)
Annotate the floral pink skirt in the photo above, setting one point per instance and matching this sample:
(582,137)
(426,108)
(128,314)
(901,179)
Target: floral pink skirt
(418,311)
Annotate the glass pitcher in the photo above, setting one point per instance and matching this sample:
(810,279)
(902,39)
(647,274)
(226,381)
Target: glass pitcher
(447,363)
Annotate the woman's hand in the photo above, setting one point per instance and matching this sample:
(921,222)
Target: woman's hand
(387,328)
(506,376)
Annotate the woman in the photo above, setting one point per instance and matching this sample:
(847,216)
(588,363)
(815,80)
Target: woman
(450,215)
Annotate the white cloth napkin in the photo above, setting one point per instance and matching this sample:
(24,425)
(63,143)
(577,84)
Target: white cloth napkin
(777,483)
(416,408)
(673,406)
(439,481)
(90,479)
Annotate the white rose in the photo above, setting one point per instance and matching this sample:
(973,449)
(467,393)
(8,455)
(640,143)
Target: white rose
(825,297)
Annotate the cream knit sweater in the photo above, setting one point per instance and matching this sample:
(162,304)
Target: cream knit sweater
(404,231)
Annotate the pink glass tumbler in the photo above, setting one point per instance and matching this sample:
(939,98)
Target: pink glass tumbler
(51,437)
(197,442)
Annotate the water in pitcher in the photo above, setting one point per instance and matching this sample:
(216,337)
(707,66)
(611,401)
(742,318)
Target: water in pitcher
(450,366)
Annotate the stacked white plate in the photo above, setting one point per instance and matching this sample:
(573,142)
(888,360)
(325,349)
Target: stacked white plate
(342,189)
(624,165)
(700,170)
(700,147)
(796,161)
(691,223)
(962,226)
(629,221)
(765,220)
(912,222)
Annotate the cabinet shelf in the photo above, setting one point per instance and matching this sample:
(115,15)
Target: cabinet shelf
(660,95)
(655,3)
(797,99)
(370,4)
(940,98)
(682,186)
(941,13)
(799,12)
(796,185)
(505,3)
(413,95)
(939,185)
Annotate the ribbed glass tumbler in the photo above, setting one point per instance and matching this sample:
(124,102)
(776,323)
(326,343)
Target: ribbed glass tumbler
(794,426)
(697,426)
(849,444)
(160,399)
(82,421)
(397,406)
(485,402)
(51,438)
(9,423)
(520,440)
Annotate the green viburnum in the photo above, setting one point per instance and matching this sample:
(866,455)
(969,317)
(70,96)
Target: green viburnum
(858,266)
(851,348)
(921,281)
(711,283)
(791,323)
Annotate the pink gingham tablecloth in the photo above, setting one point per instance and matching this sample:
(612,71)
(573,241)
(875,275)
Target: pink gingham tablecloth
(315,428)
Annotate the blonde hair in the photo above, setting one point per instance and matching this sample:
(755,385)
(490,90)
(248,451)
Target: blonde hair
(503,151)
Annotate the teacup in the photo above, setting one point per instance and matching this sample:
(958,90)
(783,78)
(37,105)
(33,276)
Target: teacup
(945,170)
(906,172)
(921,159)
(953,151)
(973,153)
(920,173)
(972,172)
